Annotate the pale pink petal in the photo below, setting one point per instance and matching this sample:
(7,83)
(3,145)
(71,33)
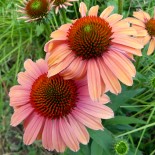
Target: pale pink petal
(83,9)
(47,135)
(104,99)
(124,62)
(20,114)
(93,11)
(118,70)
(68,135)
(76,70)
(94,80)
(59,35)
(25,80)
(55,69)
(20,93)
(114,19)
(109,78)
(79,130)
(83,91)
(33,128)
(127,41)
(32,69)
(151,47)
(125,49)
(42,65)
(100,111)
(107,12)
(57,139)
(88,120)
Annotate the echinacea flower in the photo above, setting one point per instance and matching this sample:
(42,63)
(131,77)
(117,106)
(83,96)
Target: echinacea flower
(59,4)
(145,26)
(34,9)
(97,46)
(55,110)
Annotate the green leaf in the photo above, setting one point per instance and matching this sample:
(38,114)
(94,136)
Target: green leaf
(96,149)
(120,99)
(104,139)
(84,150)
(124,120)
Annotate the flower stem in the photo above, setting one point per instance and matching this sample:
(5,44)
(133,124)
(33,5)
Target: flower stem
(120,6)
(63,14)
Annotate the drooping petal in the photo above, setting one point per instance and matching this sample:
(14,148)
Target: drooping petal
(151,47)
(109,78)
(79,130)
(20,114)
(47,135)
(118,70)
(55,69)
(32,130)
(68,135)
(76,70)
(88,120)
(58,142)
(94,80)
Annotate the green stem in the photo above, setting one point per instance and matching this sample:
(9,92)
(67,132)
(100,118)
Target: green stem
(63,14)
(120,6)
(138,129)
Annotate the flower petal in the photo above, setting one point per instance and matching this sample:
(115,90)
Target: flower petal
(83,9)
(93,11)
(151,47)
(32,130)
(107,12)
(94,80)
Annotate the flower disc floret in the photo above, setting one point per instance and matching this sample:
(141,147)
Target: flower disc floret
(150,26)
(37,8)
(53,97)
(89,37)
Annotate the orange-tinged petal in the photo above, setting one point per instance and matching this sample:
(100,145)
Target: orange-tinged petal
(128,41)
(151,47)
(118,70)
(59,35)
(114,18)
(109,78)
(94,80)
(107,12)
(93,11)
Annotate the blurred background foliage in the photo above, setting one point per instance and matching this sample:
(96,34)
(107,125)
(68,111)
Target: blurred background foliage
(134,120)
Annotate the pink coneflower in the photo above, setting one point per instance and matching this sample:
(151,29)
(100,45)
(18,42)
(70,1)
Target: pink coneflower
(59,4)
(34,9)
(97,46)
(145,26)
(55,110)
